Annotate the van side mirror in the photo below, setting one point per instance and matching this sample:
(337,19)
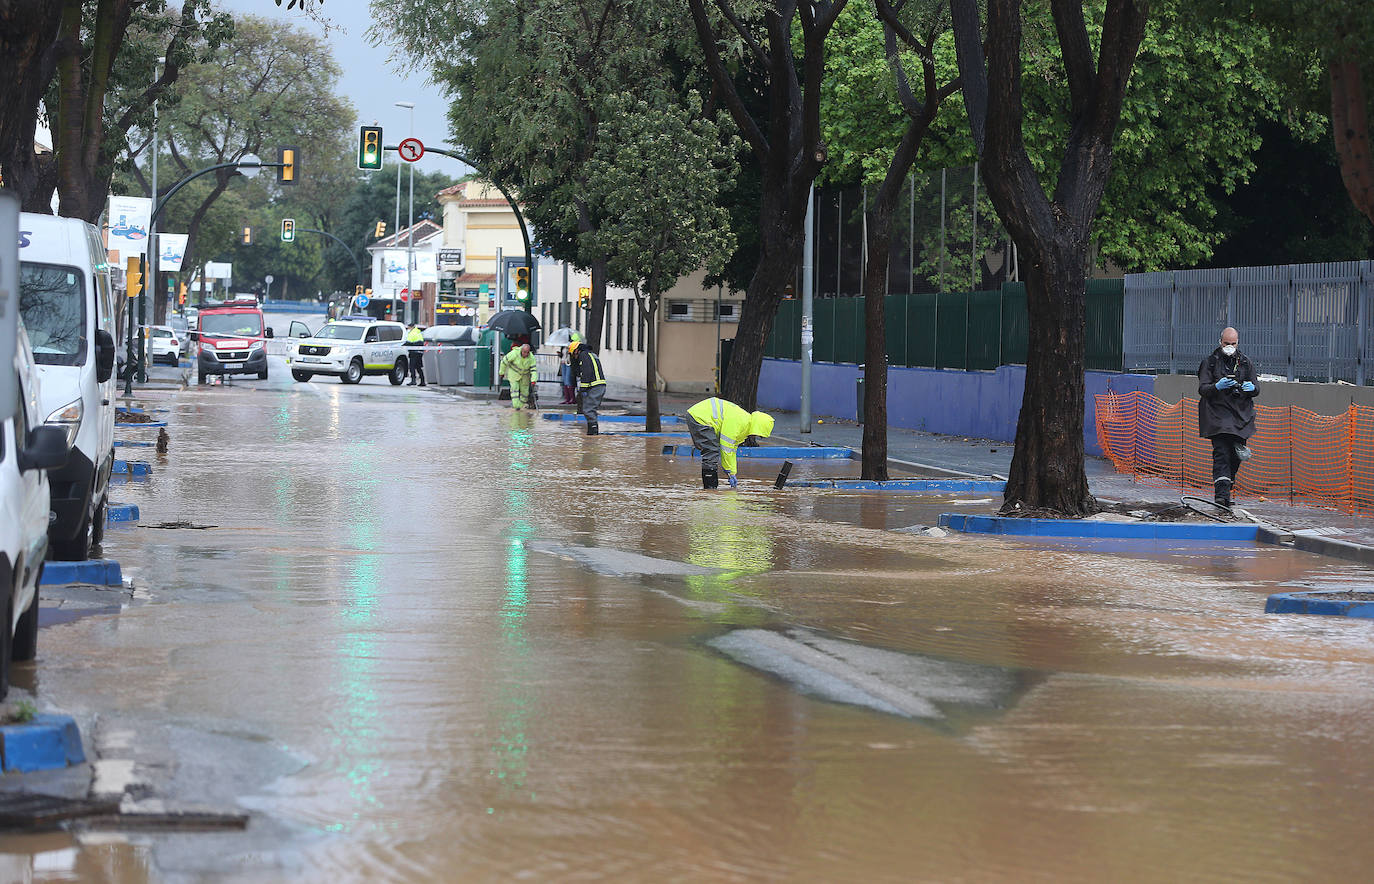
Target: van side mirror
(104,355)
(267,333)
(45,448)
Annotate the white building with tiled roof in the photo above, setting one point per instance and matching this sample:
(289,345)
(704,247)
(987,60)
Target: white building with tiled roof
(390,276)
(479,222)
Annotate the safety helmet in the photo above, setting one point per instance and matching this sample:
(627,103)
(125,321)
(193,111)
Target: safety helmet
(572,346)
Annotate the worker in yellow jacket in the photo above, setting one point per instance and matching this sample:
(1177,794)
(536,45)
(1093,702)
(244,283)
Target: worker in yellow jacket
(519,367)
(719,427)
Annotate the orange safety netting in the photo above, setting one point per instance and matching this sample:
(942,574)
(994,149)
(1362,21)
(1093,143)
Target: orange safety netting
(1300,455)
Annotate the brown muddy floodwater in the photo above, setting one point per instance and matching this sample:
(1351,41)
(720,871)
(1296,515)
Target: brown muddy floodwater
(428,639)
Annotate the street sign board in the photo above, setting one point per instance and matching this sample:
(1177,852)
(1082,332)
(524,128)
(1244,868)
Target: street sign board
(405,294)
(451,259)
(362,301)
(410,150)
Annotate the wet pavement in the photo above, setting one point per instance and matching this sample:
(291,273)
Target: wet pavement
(423,638)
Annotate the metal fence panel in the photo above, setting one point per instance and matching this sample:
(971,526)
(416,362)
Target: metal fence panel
(951,329)
(1102,332)
(1259,312)
(1326,306)
(1015,324)
(849,330)
(1201,315)
(984,343)
(1147,321)
(921,329)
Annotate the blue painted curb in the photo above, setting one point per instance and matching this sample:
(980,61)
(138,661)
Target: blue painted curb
(132,468)
(610,418)
(125,443)
(1090,528)
(125,409)
(918,485)
(98,572)
(46,743)
(767,452)
(153,424)
(1301,603)
(121,512)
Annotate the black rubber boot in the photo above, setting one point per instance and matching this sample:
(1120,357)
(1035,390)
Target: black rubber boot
(592,429)
(709,478)
(1222,495)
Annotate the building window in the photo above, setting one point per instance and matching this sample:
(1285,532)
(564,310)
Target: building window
(620,324)
(606,335)
(727,311)
(642,330)
(679,311)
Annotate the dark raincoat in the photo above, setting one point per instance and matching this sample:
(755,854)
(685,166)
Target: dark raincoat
(1226,411)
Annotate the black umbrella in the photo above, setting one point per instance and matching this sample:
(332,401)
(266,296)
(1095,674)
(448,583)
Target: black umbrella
(514,323)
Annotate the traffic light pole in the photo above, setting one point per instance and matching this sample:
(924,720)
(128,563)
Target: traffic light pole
(356,263)
(524,231)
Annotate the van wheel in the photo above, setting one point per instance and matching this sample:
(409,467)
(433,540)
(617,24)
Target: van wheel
(200,378)
(262,375)
(6,644)
(397,375)
(302,376)
(77,549)
(98,521)
(25,646)
(355,372)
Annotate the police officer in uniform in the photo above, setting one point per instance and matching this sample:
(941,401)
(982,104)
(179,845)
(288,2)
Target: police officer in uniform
(415,354)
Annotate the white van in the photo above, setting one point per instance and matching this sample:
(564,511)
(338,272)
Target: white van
(67,306)
(27,448)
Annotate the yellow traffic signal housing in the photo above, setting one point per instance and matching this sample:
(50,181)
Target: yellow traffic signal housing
(288,230)
(584,297)
(358,289)
(248,236)
(133,276)
(381,230)
(370,148)
(181,295)
(522,283)
(286,172)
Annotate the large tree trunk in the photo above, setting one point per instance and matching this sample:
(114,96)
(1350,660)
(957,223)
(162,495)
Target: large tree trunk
(1047,466)
(28,59)
(1350,131)
(652,423)
(873,458)
(596,311)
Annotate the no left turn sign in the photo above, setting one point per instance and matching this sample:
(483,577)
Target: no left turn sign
(410,150)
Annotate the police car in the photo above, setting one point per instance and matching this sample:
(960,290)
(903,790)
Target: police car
(349,348)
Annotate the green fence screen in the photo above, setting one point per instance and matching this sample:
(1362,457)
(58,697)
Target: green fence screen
(968,331)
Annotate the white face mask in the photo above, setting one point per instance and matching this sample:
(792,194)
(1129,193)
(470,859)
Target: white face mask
(1228,349)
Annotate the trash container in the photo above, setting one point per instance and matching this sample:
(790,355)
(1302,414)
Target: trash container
(430,358)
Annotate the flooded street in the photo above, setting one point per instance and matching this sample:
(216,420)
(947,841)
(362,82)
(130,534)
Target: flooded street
(422,638)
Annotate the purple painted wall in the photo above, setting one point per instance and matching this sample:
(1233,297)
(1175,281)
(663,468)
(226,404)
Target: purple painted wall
(981,404)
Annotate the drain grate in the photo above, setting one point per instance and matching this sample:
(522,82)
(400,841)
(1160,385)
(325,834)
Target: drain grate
(177,526)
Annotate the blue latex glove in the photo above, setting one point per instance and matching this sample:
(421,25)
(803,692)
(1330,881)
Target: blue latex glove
(730,477)
(1226,383)
(1247,387)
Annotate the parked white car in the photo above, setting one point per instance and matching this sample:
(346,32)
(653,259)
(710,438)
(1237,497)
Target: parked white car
(348,349)
(28,449)
(163,344)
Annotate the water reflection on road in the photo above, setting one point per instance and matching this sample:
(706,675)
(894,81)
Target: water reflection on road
(499,648)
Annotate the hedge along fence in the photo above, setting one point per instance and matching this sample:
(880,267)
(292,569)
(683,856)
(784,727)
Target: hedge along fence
(1326,460)
(967,331)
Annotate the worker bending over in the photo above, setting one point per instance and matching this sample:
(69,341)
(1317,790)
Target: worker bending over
(719,428)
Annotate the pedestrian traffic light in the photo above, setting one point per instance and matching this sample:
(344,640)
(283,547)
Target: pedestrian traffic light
(370,148)
(522,283)
(288,230)
(133,276)
(584,297)
(286,172)
(381,230)
(248,236)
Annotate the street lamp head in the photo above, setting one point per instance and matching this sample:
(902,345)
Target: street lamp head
(406,104)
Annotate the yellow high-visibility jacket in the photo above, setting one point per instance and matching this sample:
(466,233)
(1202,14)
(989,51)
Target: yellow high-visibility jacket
(518,369)
(732,425)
